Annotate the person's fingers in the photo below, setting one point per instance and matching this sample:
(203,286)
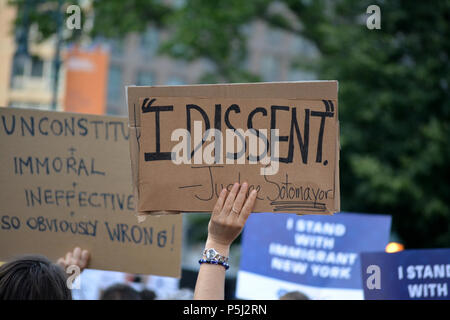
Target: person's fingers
(230,199)
(248,207)
(240,199)
(219,204)
(76,254)
(61,262)
(68,258)
(84,259)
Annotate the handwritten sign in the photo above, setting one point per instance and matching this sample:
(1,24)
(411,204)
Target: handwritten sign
(316,255)
(406,275)
(65,182)
(189,142)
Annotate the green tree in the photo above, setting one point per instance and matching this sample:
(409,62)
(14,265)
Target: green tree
(393,89)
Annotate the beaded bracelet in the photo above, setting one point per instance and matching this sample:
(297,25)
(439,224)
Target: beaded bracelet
(223,264)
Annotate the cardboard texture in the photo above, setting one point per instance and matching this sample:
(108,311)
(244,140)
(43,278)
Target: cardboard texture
(65,182)
(305,113)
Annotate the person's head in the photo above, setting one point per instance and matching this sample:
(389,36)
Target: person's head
(182,294)
(147,294)
(294,295)
(120,292)
(33,277)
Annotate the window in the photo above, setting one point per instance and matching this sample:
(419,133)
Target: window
(303,47)
(30,73)
(116,47)
(19,66)
(270,68)
(145,78)
(247,30)
(150,41)
(175,81)
(37,67)
(115,87)
(18,71)
(275,37)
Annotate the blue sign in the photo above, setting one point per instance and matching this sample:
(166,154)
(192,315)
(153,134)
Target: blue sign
(314,251)
(410,274)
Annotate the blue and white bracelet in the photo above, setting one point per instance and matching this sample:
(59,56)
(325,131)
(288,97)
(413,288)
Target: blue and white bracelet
(223,264)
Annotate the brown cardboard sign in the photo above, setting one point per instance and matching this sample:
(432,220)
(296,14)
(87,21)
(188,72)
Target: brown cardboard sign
(65,182)
(189,142)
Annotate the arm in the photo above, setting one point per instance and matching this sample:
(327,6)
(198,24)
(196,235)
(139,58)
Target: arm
(227,221)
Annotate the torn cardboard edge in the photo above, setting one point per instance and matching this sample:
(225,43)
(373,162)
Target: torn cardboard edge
(296,90)
(141,216)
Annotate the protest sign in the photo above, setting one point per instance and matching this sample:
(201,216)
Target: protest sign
(406,275)
(189,142)
(65,182)
(316,255)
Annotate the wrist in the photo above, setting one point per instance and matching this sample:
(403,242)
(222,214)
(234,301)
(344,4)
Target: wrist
(221,248)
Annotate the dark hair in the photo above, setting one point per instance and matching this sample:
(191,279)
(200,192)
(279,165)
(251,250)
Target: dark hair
(33,277)
(120,292)
(147,294)
(294,295)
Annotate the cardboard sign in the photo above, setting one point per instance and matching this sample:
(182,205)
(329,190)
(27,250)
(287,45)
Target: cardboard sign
(65,182)
(316,255)
(189,142)
(406,275)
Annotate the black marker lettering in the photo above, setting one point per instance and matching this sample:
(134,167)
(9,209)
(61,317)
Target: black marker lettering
(303,142)
(13,125)
(147,107)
